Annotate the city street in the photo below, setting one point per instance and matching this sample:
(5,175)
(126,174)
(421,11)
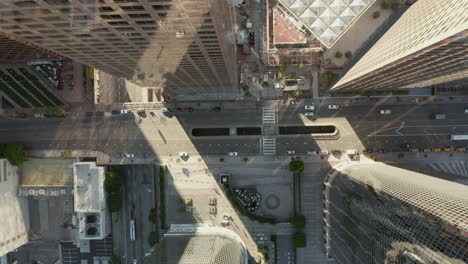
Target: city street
(159,134)
(138,199)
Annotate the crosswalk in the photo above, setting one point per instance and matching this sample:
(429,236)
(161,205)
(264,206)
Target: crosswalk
(452,167)
(269,115)
(269,145)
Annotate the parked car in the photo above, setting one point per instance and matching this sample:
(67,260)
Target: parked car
(40,115)
(334,107)
(141,113)
(385,112)
(89,113)
(99,113)
(309,114)
(164,110)
(291,152)
(179,109)
(405,146)
(183,154)
(216,109)
(309,107)
(124,111)
(188,109)
(323,152)
(152,114)
(311,152)
(129,156)
(466,110)
(115,112)
(232,154)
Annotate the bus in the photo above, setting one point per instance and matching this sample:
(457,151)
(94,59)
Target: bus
(132,229)
(459,137)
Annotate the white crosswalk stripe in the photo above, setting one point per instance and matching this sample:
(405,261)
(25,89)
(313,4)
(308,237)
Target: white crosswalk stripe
(269,145)
(269,115)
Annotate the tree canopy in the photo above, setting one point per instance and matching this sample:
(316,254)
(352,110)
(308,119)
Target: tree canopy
(296,166)
(114,202)
(13,152)
(113,182)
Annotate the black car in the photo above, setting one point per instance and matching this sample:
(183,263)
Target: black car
(152,113)
(216,109)
(99,113)
(188,109)
(89,113)
(383,150)
(405,146)
(115,112)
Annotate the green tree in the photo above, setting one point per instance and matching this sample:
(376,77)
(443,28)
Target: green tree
(248,94)
(296,166)
(327,79)
(384,5)
(348,54)
(113,182)
(152,239)
(300,66)
(114,202)
(298,221)
(376,14)
(13,152)
(115,259)
(338,54)
(152,215)
(265,84)
(299,239)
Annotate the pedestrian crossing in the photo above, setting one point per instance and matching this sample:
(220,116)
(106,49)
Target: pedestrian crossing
(269,115)
(269,145)
(452,167)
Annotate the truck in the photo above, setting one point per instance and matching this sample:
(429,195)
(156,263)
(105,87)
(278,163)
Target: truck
(132,229)
(459,137)
(439,116)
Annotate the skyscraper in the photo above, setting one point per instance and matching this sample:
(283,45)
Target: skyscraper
(17,52)
(376,213)
(181,46)
(201,244)
(425,47)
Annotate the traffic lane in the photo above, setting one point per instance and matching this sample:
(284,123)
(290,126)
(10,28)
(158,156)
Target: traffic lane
(240,116)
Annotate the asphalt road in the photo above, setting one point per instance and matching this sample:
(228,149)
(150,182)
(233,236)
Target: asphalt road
(360,126)
(138,199)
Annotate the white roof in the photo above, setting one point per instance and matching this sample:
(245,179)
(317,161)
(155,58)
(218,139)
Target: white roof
(88,180)
(327,19)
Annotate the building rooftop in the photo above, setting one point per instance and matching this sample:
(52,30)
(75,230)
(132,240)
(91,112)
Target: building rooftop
(89,187)
(286,30)
(43,172)
(199,244)
(326,19)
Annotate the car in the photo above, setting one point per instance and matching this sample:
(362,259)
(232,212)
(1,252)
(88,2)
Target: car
(124,111)
(466,110)
(333,107)
(183,154)
(323,152)
(40,115)
(89,113)
(134,261)
(385,111)
(99,113)
(413,150)
(216,109)
(164,109)
(311,152)
(368,150)
(115,112)
(129,156)
(179,109)
(152,114)
(383,150)
(232,154)
(309,107)
(405,146)
(309,114)
(188,109)
(291,152)
(436,149)
(141,113)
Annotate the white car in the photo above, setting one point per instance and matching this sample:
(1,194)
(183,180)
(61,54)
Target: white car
(164,110)
(124,111)
(309,107)
(183,154)
(309,113)
(311,153)
(385,112)
(333,107)
(39,115)
(130,156)
(291,152)
(232,154)
(134,261)
(323,152)
(466,110)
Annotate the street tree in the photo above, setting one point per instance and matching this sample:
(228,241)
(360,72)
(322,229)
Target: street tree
(296,166)
(13,152)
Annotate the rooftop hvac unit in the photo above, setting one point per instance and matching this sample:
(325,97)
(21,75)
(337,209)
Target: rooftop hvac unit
(41,192)
(92,231)
(63,192)
(32,192)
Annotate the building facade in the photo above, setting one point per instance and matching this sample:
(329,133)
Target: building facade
(14,223)
(178,46)
(202,244)
(376,213)
(16,52)
(425,47)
